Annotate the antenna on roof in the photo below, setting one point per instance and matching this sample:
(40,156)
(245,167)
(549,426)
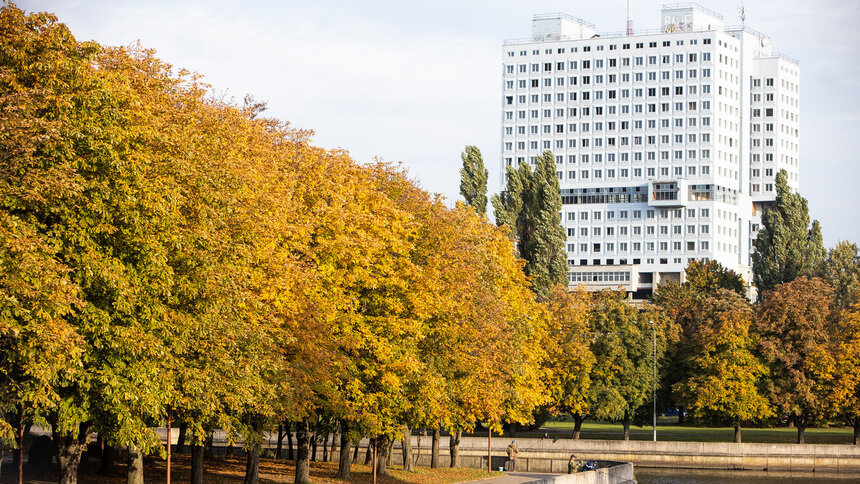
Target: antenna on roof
(629,17)
(742,14)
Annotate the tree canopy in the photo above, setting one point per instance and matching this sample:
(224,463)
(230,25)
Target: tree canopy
(473,179)
(530,206)
(787,246)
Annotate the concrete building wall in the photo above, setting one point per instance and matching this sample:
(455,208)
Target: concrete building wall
(707,112)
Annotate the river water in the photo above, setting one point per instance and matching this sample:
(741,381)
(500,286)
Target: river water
(697,476)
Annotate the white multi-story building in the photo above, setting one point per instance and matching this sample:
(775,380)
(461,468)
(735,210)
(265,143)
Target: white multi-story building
(666,142)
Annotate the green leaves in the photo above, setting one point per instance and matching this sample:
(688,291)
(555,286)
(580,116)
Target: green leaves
(726,378)
(473,180)
(786,247)
(530,206)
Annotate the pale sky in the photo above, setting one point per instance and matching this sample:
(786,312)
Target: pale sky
(414,82)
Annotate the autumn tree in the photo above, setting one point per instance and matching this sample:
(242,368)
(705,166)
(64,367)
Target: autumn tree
(709,276)
(39,348)
(473,179)
(569,357)
(683,305)
(840,371)
(794,328)
(622,343)
(725,378)
(842,272)
(787,246)
(530,206)
(80,171)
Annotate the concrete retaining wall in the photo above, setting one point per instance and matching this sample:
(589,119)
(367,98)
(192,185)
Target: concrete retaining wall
(616,473)
(544,455)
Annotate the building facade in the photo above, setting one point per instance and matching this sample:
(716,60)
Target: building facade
(666,142)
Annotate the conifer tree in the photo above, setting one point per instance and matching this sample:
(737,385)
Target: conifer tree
(786,247)
(531,207)
(473,179)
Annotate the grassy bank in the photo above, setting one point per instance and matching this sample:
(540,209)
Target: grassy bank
(669,430)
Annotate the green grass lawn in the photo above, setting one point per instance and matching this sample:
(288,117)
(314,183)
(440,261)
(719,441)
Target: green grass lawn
(668,429)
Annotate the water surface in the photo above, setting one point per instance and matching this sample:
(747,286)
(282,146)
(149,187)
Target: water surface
(702,476)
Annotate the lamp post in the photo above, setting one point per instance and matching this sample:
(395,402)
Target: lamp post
(654,382)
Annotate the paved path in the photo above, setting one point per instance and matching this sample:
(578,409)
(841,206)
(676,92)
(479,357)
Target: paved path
(513,478)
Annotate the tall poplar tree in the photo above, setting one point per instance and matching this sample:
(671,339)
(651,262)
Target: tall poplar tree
(531,207)
(473,179)
(786,247)
(842,271)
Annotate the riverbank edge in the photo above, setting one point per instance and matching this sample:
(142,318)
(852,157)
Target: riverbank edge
(546,455)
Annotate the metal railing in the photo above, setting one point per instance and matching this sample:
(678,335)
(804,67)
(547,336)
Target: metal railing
(548,16)
(779,55)
(607,35)
(672,6)
(738,28)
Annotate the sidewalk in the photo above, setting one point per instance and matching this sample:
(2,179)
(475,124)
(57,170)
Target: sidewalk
(513,478)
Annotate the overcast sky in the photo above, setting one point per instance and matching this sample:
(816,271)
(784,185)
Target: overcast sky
(416,81)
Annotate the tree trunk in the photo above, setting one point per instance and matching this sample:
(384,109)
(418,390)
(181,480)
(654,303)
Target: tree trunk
(577,425)
(406,448)
(454,447)
(800,423)
(344,462)
(333,443)
(180,442)
(108,454)
(626,423)
(229,450)
(280,446)
(252,465)
(134,473)
(314,446)
(857,431)
(680,415)
(434,454)
(738,433)
(325,446)
(382,455)
(208,448)
(368,456)
(69,451)
(355,452)
(20,452)
(290,454)
(196,462)
(303,443)
(390,450)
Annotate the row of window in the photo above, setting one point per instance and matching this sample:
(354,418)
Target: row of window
(637,230)
(636,247)
(547,98)
(599,48)
(623,174)
(644,277)
(559,113)
(585,64)
(609,79)
(664,213)
(602,276)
